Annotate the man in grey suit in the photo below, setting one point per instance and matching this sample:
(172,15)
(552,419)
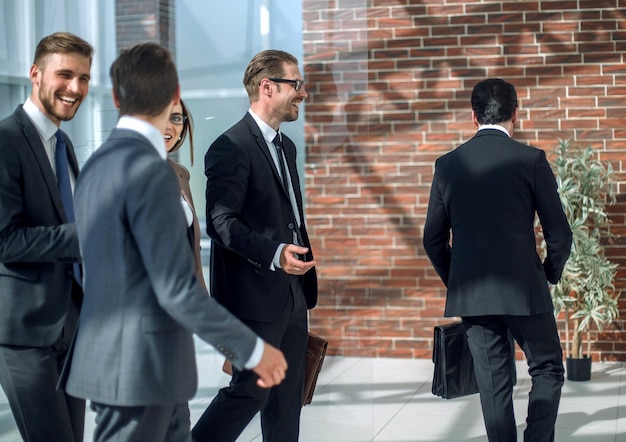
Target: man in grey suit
(39,293)
(134,356)
(480,236)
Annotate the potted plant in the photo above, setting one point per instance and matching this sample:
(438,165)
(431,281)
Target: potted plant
(585,294)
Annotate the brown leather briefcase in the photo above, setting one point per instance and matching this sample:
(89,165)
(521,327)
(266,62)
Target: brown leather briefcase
(315,354)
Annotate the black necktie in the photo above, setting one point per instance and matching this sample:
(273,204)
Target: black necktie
(65,187)
(297,236)
(281,162)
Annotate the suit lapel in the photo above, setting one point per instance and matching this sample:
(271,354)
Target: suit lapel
(260,141)
(72,157)
(34,143)
(290,155)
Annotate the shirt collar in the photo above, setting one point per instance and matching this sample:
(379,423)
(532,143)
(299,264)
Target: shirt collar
(494,126)
(43,124)
(154,136)
(266,129)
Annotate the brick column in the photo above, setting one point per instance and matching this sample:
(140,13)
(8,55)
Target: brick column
(139,21)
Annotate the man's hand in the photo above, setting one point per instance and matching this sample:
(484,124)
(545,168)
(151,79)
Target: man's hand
(271,369)
(290,263)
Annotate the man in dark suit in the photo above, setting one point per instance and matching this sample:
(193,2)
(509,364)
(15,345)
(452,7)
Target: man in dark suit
(480,237)
(133,355)
(262,268)
(39,295)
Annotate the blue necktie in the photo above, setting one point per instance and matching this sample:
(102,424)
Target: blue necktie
(65,187)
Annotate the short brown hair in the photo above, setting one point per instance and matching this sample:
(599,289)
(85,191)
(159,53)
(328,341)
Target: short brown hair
(266,64)
(144,79)
(61,43)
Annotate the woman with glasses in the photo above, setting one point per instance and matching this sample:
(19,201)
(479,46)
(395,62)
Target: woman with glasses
(179,126)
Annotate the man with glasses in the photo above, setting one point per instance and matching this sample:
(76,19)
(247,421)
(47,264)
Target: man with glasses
(262,268)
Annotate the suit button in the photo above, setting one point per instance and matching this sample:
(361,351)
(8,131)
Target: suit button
(69,273)
(290,225)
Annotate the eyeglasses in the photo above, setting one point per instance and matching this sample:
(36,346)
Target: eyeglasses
(297,84)
(178,119)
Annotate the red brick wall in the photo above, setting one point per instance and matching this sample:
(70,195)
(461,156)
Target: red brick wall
(389,84)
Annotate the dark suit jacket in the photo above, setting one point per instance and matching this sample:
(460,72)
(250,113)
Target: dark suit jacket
(485,195)
(37,246)
(248,215)
(134,345)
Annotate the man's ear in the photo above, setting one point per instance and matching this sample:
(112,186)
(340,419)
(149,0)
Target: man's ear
(34,75)
(474,120)
(116,101)
(176,99)
(265,87)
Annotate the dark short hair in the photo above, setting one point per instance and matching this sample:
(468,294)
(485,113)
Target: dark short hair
(494,101)
(266,64)
(187,129)
(144,79)
(61,43)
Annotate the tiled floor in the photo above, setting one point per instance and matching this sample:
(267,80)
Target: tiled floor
(389,400)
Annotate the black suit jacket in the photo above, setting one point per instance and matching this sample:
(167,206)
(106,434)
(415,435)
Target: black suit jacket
(248,215)
(37,246)
(485,195)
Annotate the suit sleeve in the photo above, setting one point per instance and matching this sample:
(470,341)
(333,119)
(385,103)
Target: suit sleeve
(158,225)
(228,168)
(556,229)
(437,230)
(29,229)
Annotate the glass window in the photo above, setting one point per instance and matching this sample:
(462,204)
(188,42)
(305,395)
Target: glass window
(30,21)
(213,48)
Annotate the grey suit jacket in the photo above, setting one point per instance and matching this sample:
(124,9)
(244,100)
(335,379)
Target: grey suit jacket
(142,302)
(485,195)
(37,246)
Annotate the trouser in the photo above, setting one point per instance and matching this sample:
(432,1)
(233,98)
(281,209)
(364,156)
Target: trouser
(234,406)
(163,423)
(29,377)
(537,336)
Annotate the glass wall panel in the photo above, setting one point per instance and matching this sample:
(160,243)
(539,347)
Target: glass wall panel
(213,47)
(24,23)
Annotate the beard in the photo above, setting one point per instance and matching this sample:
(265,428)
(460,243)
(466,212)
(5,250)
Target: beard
(53,107)
(290,115)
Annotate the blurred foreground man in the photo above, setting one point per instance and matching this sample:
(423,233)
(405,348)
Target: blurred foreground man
(134,355)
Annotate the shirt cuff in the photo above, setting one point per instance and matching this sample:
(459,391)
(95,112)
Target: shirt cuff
(256,355)
(276,260)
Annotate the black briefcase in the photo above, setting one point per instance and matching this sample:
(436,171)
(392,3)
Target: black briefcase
(454,367)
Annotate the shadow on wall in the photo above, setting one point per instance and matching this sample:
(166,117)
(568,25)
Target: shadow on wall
(378,116)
